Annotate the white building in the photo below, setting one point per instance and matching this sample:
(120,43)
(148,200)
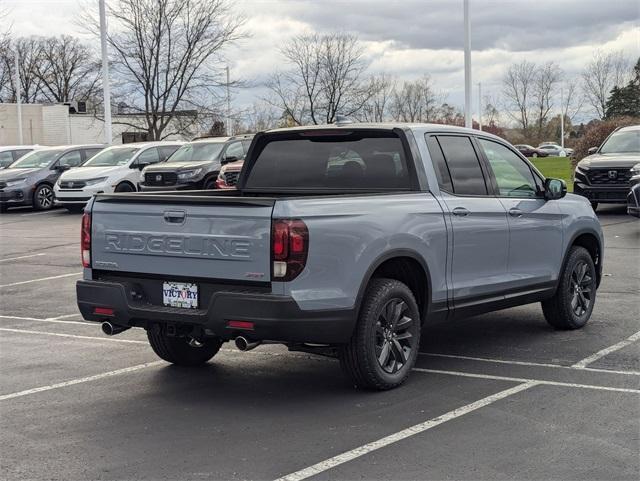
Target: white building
(54,125)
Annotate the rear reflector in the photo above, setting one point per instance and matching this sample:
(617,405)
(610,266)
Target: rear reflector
(240,325)
(103,311)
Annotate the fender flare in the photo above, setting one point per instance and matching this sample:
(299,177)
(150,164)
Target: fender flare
(600,252)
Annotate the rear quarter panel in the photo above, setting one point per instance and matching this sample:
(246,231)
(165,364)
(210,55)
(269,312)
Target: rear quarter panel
(348,234)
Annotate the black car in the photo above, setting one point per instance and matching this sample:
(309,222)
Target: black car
(633,198)
(195,165)
(604,176)
(530,151)
(30,180)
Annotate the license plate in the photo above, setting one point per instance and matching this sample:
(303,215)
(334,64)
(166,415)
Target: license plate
(180,294)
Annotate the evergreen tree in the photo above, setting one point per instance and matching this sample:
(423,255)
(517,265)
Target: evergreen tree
(625,100)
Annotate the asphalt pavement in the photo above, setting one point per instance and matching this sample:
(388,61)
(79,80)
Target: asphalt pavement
(497,396)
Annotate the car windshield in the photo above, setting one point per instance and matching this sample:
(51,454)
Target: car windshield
(622,142)
(197,151)
(36,160)
(112,157)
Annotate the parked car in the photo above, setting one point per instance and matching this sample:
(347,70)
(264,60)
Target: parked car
(115,169)
(195,165)
(603,176)
(530,151)
(633,197)
(229,175)
(346,240)
(555,150)
(10,153)
(30,180)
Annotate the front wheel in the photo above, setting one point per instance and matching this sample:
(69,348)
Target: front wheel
(572,304)
(384,346)
(210,184)
(183,351)
(124,187)
(43,197)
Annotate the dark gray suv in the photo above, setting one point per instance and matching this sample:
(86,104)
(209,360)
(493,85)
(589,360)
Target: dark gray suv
(30,180)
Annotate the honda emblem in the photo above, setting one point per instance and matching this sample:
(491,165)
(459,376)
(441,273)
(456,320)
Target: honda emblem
(613,174)
(158,178)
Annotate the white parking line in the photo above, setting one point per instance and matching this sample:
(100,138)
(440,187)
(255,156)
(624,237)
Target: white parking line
(55,320)
(72,382)
(42,279)
(75,336)
(21,257)
(520,379)
(400,435)
(65,316)
(600,354)
(41,213)
(526,363)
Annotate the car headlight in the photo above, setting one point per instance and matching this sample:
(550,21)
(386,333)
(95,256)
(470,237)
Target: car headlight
(189,174)
(583,166)
(99,180)
(16,182)
(635,170)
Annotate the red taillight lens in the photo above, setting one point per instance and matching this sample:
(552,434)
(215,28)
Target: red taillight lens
(85,240)
(289,248)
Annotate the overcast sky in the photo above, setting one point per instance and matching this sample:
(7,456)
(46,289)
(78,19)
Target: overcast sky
(407,38)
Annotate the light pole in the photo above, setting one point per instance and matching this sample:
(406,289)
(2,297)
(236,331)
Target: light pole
(229,133)
(480,106)
(106,89)
(16,80)
(562,117)
(467,66)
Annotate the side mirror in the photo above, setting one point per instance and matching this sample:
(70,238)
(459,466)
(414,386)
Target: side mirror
(62,168)
(229,159)
(554,189)
(141,165)
(592,150)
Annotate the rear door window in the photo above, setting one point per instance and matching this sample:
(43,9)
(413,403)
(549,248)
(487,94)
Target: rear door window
(320,160)
(463,164)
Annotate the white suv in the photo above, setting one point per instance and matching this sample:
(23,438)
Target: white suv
(115,169)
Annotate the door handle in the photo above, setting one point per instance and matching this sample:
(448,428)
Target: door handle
(515,212)
(461,212)
(175,217)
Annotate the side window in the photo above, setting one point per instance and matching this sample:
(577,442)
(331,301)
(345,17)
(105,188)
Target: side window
(439,164)
(72,159)
(513,176)
(6,158)
(235,150)
(88,153)
(166,151)
(464,166)
(19,153)
(149,156)
(245,145)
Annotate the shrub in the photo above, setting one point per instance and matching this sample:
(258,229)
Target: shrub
(597,133)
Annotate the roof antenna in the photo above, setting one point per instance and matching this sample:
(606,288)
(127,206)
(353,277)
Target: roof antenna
(342,120)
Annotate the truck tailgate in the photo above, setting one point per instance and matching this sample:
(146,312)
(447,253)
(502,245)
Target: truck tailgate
(183,236)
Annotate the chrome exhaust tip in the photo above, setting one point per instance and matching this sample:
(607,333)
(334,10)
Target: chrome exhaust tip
(113,329)
(243,344)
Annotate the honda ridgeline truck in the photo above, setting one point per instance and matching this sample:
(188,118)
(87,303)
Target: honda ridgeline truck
(346,239)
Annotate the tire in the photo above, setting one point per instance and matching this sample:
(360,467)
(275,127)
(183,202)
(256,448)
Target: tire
(594,206)
(124,187)
(74,209)
(182,351)
(43,197)
(3,208)
(209,184)
(534,155)
(572,304)
(382,351)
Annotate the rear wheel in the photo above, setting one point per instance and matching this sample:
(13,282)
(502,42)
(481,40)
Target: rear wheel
(124,187)
(183,351)
(43,197)
(384,346)
(572,304)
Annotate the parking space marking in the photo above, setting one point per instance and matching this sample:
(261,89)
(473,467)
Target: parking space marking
(55,320)
(600,354)
(65,316)
(526,363)
(73,382)
(22,257)
(75,336)
(42,279)
(400,435)
(41,213)
(520,379)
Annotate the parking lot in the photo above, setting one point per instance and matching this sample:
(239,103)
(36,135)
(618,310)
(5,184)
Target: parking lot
(498,396)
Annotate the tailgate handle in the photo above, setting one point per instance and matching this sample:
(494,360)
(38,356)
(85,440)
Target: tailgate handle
(175,216)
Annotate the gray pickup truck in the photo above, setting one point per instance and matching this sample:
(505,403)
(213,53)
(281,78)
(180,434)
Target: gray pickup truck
(345,239)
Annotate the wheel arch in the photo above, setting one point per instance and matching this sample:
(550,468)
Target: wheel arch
(589,240)
(127,181)
(406,266)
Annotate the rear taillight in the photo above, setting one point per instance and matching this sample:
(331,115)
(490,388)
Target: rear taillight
(289,248)
(85,240)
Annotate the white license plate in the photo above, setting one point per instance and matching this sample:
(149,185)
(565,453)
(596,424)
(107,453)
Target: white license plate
(180,294)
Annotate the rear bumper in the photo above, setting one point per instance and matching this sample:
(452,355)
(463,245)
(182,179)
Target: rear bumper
(275,318)
(602,194)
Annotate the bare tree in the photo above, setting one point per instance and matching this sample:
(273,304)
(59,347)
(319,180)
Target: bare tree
(325,78)
(28,51)
(518,91)
(572,101)
(67,69)
(166,55)
(381,90)
(416,101)
(605,71)
(546,80)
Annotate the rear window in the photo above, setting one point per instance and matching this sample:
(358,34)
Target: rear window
(317,161)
